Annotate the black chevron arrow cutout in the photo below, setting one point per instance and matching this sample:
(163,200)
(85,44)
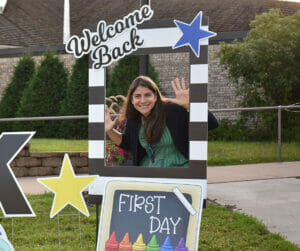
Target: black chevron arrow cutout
(13,202)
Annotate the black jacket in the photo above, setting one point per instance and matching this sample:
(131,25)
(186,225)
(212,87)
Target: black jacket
(177,121)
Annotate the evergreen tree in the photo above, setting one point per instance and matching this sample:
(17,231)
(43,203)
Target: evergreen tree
(126,70)
(12,95)
(43,96)
(76,101)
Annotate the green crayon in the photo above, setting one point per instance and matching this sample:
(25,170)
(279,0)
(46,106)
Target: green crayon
(153,245)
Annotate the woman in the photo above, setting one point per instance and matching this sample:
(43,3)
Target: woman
(156,131)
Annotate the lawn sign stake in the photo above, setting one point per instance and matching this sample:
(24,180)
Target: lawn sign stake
(67,188)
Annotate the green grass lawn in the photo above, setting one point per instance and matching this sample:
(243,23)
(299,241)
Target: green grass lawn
(41,232)
(219,152)
(58,145)
(231,153)
(221,229)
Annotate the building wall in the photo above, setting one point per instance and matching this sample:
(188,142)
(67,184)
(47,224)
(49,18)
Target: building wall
(6,71)
(7,66)
(221,94)
(169,66)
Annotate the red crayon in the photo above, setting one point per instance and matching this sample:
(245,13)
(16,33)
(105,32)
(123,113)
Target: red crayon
(125,244)
(112,244)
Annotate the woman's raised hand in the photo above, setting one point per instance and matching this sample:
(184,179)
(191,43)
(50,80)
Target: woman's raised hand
(109,123)
(182,94)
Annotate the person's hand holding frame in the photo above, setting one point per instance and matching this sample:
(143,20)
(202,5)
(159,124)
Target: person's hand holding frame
(110,125)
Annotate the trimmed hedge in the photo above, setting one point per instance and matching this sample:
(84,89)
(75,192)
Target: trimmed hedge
(76,102)
(43,96)
(12,95)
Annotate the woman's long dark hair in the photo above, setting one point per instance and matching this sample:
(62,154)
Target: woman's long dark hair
(154,123)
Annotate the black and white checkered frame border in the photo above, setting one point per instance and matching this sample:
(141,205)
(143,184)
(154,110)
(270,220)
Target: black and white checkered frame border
(159,37)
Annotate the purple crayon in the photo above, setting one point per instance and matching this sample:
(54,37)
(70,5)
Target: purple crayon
(167,245)
(181,245)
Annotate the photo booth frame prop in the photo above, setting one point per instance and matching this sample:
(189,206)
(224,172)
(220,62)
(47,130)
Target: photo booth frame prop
(143,207)
(13,201)
(158,38)
(4,242)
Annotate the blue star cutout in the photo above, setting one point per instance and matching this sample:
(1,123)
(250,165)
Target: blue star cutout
(192,34)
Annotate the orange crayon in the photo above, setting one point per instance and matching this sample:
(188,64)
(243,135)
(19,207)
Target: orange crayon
(125,244)
(139,245)
(112,244)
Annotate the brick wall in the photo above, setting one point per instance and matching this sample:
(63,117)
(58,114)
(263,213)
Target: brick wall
(169,66)
(6,71)
(221,94)
(7,67)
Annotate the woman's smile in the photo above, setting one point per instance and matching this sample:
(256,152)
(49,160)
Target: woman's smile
(143,100)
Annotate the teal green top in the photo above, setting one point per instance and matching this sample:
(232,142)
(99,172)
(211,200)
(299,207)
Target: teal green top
(163,153)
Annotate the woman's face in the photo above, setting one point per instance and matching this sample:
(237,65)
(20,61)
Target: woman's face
(143,100)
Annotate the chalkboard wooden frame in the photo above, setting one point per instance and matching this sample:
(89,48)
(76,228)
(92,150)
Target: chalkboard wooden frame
(194,221)
(198,124)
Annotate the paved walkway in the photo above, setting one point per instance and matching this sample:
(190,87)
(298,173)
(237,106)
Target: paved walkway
(221,174)
(270,192)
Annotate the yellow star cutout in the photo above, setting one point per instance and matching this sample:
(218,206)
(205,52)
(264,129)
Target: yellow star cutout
(67,188)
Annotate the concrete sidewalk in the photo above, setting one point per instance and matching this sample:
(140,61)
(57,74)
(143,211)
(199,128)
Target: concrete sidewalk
(216,174)
(270,192)
(262,171)
(275,202)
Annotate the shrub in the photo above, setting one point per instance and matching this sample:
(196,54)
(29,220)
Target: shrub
(265,67)
(76,101)
(237,131)
(43,96)
(12,95)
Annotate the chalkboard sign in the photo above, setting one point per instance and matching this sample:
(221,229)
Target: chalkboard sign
(171,212)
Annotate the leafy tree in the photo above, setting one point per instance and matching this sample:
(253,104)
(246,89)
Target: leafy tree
(265,66)
(13,93)
(76,101)
(43,96)
(126,70)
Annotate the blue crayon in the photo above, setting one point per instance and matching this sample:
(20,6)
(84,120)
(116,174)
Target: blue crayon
(167,245)
(181,245)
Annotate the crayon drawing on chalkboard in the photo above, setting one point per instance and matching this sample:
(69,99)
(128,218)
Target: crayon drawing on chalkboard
(151,215)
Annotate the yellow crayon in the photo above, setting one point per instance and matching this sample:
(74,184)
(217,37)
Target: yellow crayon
(139,245)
